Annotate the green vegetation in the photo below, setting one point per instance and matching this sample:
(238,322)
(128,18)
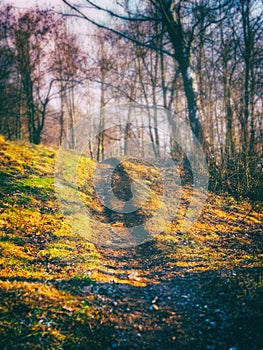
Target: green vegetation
(52,280)
(42,262)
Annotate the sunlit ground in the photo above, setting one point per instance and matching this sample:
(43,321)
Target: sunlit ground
(179,290)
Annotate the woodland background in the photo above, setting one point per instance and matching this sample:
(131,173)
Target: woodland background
(202,60)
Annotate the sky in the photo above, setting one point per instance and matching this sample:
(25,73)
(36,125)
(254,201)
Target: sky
(57,4)
(77,26)
(32,3)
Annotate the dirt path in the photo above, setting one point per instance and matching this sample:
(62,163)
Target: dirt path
(202,290)
(153,306)
(154,301)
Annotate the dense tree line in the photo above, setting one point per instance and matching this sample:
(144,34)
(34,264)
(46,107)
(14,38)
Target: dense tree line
(202,60)
(40,62)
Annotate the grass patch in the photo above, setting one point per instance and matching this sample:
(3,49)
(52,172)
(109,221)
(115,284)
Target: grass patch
(37,244)
(48,272)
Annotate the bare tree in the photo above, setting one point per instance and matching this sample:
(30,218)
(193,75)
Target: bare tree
(32,33)
(10,116)
(69,70)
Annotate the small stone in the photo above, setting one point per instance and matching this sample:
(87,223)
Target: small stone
(132,275)
(154,300)
(153,307)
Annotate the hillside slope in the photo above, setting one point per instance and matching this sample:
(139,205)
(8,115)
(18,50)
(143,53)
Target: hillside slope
(197,290)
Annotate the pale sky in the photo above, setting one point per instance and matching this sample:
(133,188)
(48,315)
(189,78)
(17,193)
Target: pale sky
(32,3)
(58,5)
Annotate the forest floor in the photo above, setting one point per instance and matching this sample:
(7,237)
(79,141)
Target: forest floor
(195,290)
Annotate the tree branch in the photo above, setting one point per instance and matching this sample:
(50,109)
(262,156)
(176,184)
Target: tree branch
(80,14)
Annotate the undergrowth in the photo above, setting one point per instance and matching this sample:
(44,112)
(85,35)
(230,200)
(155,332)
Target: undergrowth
(47,269)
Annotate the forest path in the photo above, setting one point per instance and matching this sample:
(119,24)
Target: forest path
(173,294)
(156,305)
(201,290)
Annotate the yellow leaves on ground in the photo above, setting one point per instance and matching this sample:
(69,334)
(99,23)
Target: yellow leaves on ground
(17,157)
(45,267)
(8,249)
